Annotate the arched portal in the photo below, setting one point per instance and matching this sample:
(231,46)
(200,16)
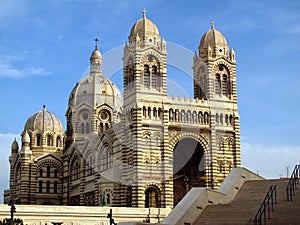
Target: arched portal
(188,167)
(152,197)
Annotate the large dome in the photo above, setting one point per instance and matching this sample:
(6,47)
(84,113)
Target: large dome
(95,91)
(145,29)
(215,40)
(43,121)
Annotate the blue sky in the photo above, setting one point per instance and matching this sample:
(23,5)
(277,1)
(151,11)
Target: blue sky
(45,48)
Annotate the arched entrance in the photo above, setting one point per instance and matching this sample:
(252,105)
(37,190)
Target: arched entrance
(152,197)
(188,167)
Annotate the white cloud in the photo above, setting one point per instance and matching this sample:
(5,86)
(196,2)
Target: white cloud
(8,68)
(36,71)
(5,148)
(269,161)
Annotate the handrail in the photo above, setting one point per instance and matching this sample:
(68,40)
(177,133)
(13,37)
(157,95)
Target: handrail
(264,210)
(292,185)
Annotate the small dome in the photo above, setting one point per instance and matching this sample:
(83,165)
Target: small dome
(96,54)
(42,121)
(15,146)
(215,40)
(145,29)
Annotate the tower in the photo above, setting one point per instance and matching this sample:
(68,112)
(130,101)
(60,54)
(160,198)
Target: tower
(215,80)
(145,87)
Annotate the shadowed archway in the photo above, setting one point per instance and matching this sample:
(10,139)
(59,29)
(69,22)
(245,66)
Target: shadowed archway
(152,197)
(188,167)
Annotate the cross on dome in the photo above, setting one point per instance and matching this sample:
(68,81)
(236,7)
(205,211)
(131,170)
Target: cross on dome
(212,24)
(144,11)
(96,40)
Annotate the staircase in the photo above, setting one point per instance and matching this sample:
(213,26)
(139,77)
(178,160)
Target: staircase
(242,210)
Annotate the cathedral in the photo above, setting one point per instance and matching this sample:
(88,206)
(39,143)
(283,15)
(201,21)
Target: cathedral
(140,148)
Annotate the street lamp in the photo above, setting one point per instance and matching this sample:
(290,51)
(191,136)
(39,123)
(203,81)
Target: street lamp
(12,209)
(186,180)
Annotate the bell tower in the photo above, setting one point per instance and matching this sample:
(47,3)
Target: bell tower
(145,68)
(215,80)
(145,87)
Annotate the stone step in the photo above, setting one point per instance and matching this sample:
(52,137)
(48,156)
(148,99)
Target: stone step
(244,207)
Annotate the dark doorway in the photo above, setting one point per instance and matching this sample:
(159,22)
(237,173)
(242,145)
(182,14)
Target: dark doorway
(188,167)
(152,197)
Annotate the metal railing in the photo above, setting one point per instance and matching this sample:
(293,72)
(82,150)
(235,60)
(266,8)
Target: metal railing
(268,204)
(292,185)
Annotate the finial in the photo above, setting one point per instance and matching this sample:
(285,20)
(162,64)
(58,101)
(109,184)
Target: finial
(144,13)
(96,40)
(44,107)
(212,24)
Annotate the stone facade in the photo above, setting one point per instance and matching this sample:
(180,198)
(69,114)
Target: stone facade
(147,150)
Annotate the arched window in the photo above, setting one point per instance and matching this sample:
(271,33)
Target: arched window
(75,169)
(195,117)
(40,186)
(58,141)
(222,81)
(200,117)
(224,85)
(87,128)
(182,116)
(48,186)
(146,76)
(203,86)
(82,128)
(130,78)
(90,164)
(154,76)
(176,115)
(49,140)
(105,159)
(48,171)
(149,112)
(218,84)
(171,114)
(229,88)
(206,118)
(55,187)
(188,116)
(41,172)
(221,118)
(159,113)
(108,198)
(154,112)
(38,140)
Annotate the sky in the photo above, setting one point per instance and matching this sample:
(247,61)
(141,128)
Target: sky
(46,45)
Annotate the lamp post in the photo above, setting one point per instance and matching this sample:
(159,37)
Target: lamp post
(186,180)
(12,209)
